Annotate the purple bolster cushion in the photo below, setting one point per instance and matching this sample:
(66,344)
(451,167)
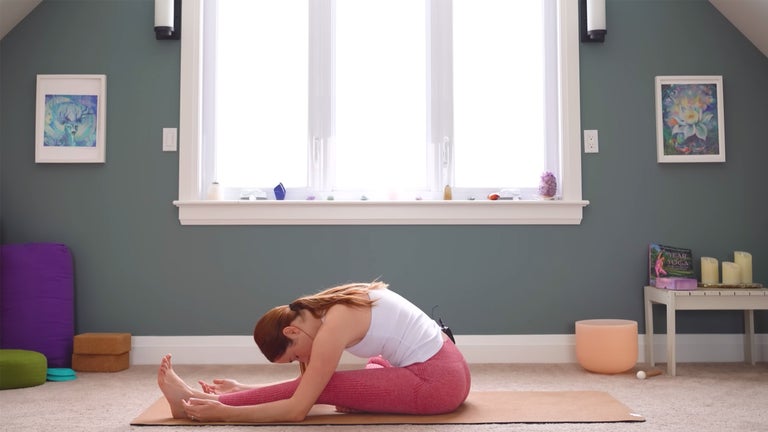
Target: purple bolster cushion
(37,300)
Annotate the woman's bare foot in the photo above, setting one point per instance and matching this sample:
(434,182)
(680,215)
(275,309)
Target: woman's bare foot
(175,390)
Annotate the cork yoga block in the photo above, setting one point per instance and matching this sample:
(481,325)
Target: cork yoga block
(101,352)
(102,343)
(607,346)
(100,362)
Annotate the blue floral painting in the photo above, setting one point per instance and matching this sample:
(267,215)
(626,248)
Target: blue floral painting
(690,119)
(70,120)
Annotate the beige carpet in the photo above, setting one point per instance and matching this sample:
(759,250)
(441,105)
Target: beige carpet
(480,408)
(703,397)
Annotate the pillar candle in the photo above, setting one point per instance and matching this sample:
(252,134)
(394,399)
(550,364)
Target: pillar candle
(709,271)
(731,273)
(744,260)
(214,191)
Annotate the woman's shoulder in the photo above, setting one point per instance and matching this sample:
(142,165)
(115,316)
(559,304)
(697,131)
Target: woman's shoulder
(351,321)
(343,309)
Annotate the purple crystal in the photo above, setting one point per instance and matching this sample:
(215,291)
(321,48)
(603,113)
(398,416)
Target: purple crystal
(548,185)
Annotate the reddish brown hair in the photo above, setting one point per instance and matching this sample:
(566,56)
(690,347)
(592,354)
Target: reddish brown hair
(268,332)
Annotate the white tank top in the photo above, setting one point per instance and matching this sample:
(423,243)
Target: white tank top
(400,332)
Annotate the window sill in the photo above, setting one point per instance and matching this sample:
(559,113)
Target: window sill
(556,212)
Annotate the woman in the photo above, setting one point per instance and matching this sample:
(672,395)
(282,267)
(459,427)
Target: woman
(413,368)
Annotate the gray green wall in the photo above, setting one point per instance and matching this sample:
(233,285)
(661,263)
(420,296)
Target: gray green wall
(139,271)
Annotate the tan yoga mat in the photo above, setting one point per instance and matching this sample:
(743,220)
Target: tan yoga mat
(480,408)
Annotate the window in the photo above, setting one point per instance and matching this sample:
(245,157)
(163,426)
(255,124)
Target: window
(336,140)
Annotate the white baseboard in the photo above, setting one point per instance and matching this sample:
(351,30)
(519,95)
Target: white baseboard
(476,348)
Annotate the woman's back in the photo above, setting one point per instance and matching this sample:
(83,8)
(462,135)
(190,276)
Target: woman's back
(399,331)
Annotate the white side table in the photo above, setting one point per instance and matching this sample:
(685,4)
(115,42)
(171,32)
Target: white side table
(748,300)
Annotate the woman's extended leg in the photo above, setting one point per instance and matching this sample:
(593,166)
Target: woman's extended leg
(436,386)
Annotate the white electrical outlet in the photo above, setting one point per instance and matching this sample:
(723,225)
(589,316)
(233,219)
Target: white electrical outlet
(590,141)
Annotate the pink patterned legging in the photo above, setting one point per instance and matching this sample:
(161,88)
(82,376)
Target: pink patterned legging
(436,386)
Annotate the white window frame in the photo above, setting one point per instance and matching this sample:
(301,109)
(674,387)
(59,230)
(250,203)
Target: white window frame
(194,210)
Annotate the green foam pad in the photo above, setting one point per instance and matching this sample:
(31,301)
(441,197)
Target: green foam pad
(21,368)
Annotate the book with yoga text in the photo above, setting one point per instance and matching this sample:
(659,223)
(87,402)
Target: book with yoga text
(668,266)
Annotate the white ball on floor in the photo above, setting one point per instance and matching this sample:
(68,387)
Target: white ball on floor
(641,375)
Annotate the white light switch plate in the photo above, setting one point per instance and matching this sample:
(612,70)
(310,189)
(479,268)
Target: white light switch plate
(169,139)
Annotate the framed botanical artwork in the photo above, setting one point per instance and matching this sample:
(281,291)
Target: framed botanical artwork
(70,118)
(689,119)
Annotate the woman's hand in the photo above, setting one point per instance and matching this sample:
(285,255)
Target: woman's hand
(206,410)
(221,386)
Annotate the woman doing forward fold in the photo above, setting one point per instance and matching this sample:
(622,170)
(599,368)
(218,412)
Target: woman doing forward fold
(414,368)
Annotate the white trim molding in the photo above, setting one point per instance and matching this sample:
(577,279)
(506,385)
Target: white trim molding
(478,349)
(554,212)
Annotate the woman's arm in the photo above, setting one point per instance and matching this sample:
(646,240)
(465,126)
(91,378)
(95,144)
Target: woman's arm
(222,386)
(343,326)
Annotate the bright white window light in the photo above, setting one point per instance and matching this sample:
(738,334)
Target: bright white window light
(376,134)
(498,88)
(380,95)
(261,93)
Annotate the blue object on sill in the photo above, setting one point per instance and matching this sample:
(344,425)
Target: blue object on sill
(280,192)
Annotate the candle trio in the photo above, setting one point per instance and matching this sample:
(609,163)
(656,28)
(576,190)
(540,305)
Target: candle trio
(736,272)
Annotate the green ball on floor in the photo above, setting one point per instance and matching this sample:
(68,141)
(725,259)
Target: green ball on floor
(22,368)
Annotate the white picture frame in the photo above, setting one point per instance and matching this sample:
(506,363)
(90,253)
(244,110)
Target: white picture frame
(70,119)
(689,119)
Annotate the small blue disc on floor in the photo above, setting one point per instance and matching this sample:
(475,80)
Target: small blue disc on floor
(60,374)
